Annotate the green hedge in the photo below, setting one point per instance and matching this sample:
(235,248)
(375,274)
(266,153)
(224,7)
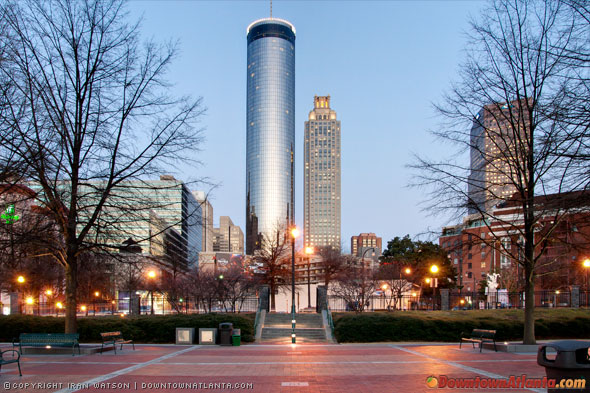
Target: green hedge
(446,326)
(142,329)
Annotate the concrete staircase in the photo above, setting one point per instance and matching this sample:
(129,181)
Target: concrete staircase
(277,329)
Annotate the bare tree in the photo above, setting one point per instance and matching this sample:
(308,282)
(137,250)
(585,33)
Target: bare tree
(356,286)
(515,109)
(86,117)
(333,263)
(235,287)
(395,282)
(273,259)
(204,288)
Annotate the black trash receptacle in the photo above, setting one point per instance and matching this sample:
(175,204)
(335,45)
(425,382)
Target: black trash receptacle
(570,368)
(225,333)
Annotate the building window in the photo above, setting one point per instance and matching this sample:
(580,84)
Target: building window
(469,265)
(469,256)
(504,261)
(483,265)
(468,274)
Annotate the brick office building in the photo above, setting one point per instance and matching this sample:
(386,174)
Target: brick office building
(477,248)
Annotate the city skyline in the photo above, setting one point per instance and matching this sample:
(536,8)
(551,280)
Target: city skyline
(398,59)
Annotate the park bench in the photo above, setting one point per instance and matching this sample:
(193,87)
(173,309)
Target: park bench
(4,359)
(480,336)
(48,340)
(114,338)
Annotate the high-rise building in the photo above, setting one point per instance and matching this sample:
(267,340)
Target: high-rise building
(228,237)
(497,142)
(270,129)
(160,217)
(322,176)
(361,244)
(206,221)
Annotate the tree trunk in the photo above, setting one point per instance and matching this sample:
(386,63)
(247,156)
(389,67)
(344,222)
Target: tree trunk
(71,286)
(272,298)
(529,304)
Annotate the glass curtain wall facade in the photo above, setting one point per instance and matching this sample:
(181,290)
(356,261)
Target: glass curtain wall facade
(322,176)
(160,216)
(270,129)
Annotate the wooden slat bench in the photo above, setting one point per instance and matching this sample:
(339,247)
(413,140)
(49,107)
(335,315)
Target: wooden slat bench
(5,359)
(48,340)
(480,336)
(114,338)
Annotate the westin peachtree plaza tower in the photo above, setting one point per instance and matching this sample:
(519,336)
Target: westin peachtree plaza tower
(270,129)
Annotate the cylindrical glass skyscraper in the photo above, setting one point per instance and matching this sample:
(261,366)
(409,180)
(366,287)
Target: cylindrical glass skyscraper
(270,129)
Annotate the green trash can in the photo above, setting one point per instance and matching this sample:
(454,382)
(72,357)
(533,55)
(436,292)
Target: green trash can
(236,337)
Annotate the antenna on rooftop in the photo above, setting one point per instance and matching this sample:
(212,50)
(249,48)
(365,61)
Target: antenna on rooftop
(270,9)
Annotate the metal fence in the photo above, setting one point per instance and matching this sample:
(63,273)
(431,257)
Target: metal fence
(385,303)
(144,305)
(459,301)
(496,300)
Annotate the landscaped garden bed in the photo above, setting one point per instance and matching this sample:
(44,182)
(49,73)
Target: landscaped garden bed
(142,329)
(448,325)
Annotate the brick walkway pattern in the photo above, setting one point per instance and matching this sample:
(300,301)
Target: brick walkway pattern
(356,368)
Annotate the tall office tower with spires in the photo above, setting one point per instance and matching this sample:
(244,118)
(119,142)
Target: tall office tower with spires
(270,130)
(322,176)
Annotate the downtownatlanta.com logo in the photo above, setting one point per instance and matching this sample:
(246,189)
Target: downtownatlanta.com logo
(512,382)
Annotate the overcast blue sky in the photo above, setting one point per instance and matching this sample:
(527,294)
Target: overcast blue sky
(382,62)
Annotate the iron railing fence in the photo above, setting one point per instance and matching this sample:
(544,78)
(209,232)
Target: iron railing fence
(144,305)
(384,303)
(416,301)
(458,301)
(496,300)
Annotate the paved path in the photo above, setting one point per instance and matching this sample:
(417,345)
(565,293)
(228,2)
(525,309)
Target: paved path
(352,368)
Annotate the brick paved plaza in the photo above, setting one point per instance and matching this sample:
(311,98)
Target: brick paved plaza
(357,368)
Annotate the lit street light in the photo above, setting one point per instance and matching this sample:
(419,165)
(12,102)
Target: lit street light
(586,265)
(434,270)
(20,279)
(294,235)
(151,275)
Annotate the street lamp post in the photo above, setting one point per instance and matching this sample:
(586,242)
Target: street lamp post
(20,280)
(308,252)
(294,235)
(96,295)
(434,270)
(151,276)
(586,265)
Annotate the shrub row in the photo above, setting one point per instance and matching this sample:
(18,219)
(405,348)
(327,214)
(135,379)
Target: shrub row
(142,329)
(380,327)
